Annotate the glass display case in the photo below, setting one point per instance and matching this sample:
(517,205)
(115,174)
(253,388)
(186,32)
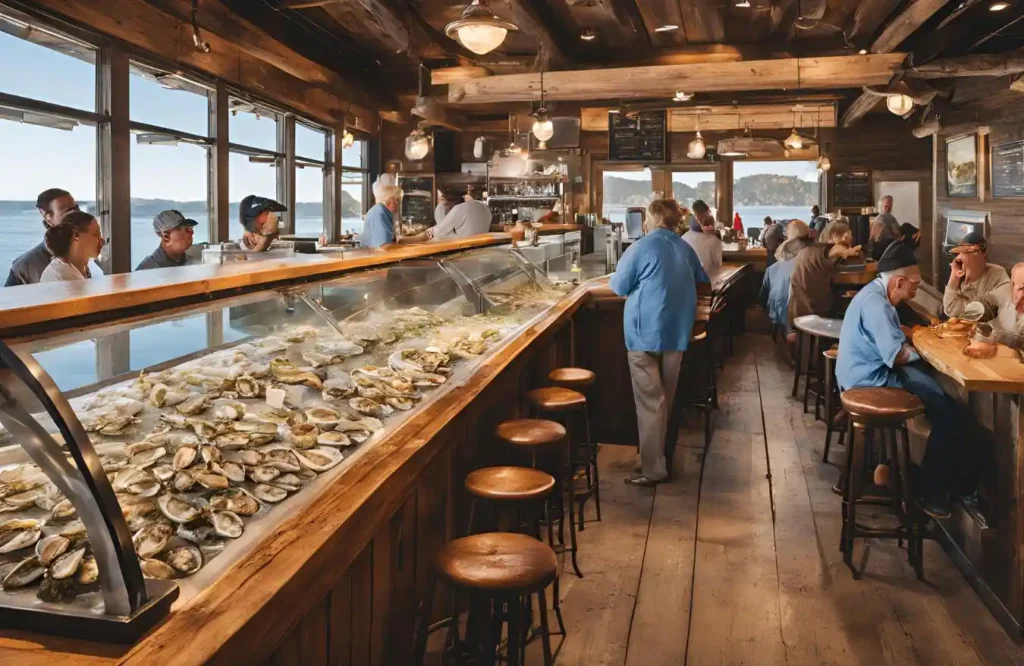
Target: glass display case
(140,458)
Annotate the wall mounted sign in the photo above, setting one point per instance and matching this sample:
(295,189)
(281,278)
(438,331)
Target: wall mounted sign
(852,189)
(637,137)
(962,166)
(1008,169)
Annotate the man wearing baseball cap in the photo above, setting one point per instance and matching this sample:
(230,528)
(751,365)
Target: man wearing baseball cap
(175,233)
(258,216)
(972,278)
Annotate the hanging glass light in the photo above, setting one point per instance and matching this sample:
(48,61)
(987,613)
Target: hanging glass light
(478,147)
(543,129)
(697,148)
(417,145)
(899,104)
(479,29)
(824,164)
(347,139)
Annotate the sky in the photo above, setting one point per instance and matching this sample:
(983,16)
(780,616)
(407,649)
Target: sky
(37,158)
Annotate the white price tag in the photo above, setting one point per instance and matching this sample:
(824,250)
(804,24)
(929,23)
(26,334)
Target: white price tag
(275,397)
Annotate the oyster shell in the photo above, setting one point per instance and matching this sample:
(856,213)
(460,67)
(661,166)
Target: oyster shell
(147,444)
(290,482)
(25,499)
(232,470)
(193,405)
(404,404)
(67,564)
(212,480)
(63,510)
(235,500)
(323,417)
(249,387)
(76,528)
(183,481)
(50,548)
(185,456)
(369,407)
(320,459)
(147,488)
(88,572)
(229,411)
(333,438)
(330,352)
(204,429)
(128,476)
(419,360)
(53,590)
(176,509)
(185,560)
(269,494)
(210,453)
(283,459)
(264,474)
(162,395)
(148,458)
(285,371)
(203,535)
(338,388)
(156,569)
(303,435)
(247,457)
(232,440)
(17,534)
(24,573)
(227,524)
(152,538)
(163,473)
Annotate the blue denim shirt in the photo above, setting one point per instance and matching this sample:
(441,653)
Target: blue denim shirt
(378,227)
(775,291)
(658,275)
(870,339)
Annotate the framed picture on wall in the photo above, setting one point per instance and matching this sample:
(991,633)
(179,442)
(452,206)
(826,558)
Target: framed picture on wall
(962,166)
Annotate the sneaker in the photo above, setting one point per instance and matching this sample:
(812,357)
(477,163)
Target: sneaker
(936,506)
(641,481)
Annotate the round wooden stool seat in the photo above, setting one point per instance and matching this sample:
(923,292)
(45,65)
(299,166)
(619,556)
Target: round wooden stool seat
(497,562)
(572,377)
(556,399)
(531,432)
(881,404)
(509,484)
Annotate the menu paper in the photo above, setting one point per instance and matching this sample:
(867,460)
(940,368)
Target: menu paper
(1008,170)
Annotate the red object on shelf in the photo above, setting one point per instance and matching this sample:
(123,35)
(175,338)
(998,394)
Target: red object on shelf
(737,223)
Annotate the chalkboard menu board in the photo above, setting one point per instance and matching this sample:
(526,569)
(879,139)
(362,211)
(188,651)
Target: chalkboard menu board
(852,188)
(1008,170)
(637,137)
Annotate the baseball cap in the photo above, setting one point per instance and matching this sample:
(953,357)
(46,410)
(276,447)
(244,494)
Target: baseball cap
(969,242)
(251,207)
(895,257)
(171,219)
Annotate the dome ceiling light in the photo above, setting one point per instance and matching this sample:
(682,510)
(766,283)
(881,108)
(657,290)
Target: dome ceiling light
(899,104)
(697,148)
(543,129)
(417,145)
(681,96)
(480,30)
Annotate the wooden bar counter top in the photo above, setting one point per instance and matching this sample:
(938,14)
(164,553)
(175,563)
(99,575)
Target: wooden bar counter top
(1004,373)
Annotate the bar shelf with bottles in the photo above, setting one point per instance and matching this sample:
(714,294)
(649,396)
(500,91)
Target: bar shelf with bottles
(523,198)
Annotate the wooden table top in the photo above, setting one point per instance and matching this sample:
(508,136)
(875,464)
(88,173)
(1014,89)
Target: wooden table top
(1002,374)
(35,304)
(732,252)
(858,278)
(728,275)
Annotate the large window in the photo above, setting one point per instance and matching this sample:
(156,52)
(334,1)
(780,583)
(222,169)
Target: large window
(255,160)
(41,149)
(310,169)
(782,190)
(625,189)
(170,154)
(354,186)
(689,186)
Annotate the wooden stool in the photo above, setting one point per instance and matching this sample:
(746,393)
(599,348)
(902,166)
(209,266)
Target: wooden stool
(875,411)
(830,400)
(700,392)
(580,379)
(559,401)
(518,487)
(812,332)
(498,572)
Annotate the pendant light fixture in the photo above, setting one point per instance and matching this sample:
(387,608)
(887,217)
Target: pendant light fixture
(347,139)
(543,129)
(794,141)
(899,104)
(417,144)
(697,149)
(478,147)
(479,30)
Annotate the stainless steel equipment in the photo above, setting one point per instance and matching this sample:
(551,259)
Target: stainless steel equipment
(230,252)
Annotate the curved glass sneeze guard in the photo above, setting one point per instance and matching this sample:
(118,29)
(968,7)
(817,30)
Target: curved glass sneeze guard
(208,427)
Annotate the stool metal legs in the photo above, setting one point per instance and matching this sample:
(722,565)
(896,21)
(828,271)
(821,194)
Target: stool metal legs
(798,362)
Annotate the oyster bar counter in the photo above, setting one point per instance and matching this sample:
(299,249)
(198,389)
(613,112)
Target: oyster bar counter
(207,452)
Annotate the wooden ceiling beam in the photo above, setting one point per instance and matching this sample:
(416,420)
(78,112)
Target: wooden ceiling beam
(997,64)
(445,75)
(905,24)
(660,81)
(702,20)
(714,118)
(534,20)
(859,108)
(972,27)
(866,19)
(371,21)
(438,116)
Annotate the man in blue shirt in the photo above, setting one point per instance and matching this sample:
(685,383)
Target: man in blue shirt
(875,351)
(379,225)
(658,275)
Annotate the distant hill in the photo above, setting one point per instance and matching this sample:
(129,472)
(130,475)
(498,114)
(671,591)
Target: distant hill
(757,190)
(150,207)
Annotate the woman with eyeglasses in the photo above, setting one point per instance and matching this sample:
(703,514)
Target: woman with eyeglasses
(73,243)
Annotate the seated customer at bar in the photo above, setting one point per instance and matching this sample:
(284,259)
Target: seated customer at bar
(471,217)
(73,243)
(53,204)
(874,351)
(772,237)
(798,236)
(258,216)
(813,268)
(658,275)
(175,233)
(774,296)
(705,242)
(379,223)
(972,278)
(1011,309)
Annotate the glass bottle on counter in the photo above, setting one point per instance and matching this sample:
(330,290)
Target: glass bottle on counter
(515,215)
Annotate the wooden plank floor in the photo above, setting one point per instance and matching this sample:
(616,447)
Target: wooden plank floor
(697,571)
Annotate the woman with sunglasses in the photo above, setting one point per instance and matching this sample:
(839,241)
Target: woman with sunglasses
(73,243)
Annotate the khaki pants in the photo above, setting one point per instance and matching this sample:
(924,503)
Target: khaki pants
(654,375)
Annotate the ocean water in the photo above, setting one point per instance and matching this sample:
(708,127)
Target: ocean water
(21,231)
(752,216)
